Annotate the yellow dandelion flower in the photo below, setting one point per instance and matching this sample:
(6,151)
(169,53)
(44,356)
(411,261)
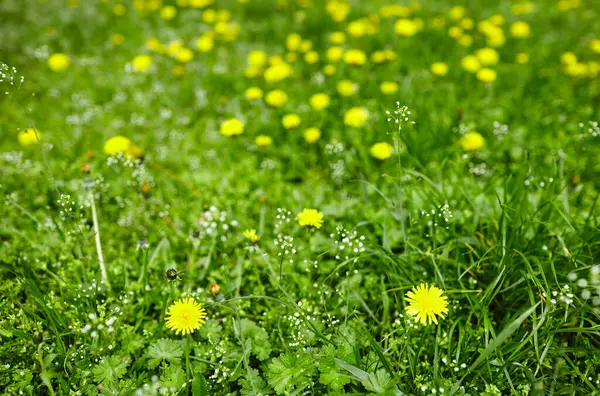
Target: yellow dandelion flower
(276,98)
(595,45)
(356,117)
(141,63)
(58,62)
(355,57)
(426,303)
(311,57)
(335,53)
(28,136)
(337,37)
(568,58)
(117,145)
(381,151)
(311,135)
(205,43)
(319,101)
(470,63)
(263,141)
(293,41)
(329,70)
(184,316)
(472,141)
(346,88)
(185,55)
(232,127)
(388,87)
(168,12)
(209,16)
(406,27)
(254,93)
(520,29)
(290,121)
(305,46)
(439,69)
(278,72)
(310,218)
(251,235)
(487,75)
(257,58)
(487,56)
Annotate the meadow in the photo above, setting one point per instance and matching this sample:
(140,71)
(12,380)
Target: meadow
(299,197)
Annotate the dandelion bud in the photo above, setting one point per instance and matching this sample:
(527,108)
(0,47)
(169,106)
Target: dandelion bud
(214,288)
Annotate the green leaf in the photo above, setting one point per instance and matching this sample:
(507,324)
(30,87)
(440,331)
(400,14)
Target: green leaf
(253,384)
(504,334)
(256,337)
(289,371)
(199,385)
(378,382)
(330,371)
(110,369)
(164,349)
(173,377)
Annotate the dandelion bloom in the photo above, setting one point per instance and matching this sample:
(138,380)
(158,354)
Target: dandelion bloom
(232,127)
(254,93)
(116,145)
(356,117)
(257,58)
(381,151)
(470,63)
(276,98)
(346,88)
(122,145)
(487,75)
(311,135)
(205,43)
(595,45)
(263,141)
(568,58)
(519,29)
(388,87)
(487,56)
(329,70)
(251,235)
(337,37)
(141,63)
(319,101)
(335,53)
(167,13)
(355,57)
(310,218)
(185,316)
(472,141)
(406,27)
(293,42)
(291,121)
(311,57)
(184,55)
(278,72)
(28,136)
(58,62)
(426,303)
(439,69)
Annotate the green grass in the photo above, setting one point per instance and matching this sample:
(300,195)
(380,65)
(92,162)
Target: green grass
(509,232)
